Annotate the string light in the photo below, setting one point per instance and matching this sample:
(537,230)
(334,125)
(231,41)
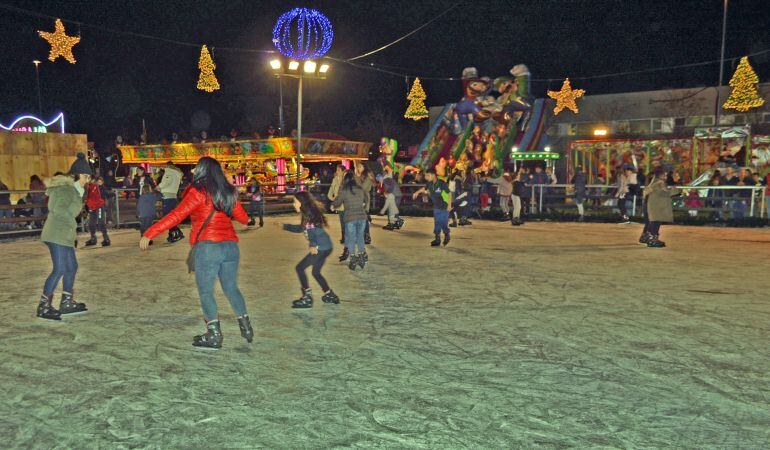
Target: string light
(207,81)
(303,33)
(565,98)
(744,95)
(61,44)
(416,109)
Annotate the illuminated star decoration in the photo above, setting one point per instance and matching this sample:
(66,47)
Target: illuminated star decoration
(565,98)
(61,44)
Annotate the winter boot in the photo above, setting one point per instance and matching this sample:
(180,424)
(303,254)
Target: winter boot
(353,261)
(345,254)
(246,331)
(306,301)
(645,238)
(212,338)
(654,242)
(90,242)
(45,309)
(437,241)
(367,238)
(70,306)
(446,239)
(331,297)
(363,258)
(106,243)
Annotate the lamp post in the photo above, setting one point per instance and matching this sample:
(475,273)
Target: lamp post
(39,95)
(718,107)
(310,69)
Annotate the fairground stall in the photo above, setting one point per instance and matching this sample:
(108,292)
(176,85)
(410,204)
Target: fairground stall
(273,162)
(689,158)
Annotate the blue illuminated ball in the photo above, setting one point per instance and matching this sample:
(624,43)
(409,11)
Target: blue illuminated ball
(303,33)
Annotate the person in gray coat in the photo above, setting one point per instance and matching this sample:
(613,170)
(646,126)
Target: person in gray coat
(353,198)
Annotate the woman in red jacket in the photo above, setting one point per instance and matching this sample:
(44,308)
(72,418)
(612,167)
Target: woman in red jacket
(210,198)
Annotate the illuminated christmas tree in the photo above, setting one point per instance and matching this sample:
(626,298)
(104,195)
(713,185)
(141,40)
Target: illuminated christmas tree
(744,95)
(416,109)
(207,81)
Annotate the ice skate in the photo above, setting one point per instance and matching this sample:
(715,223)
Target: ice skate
(654,242)
(90,242)
(45,309)
(437,241)
(345,254)
(389,227)
(106,243)
(446,239)
(330,297)
(306,301)
(212,338)
(367,238)
(624,220)
(70,306)
(399,223)
(353,261)
(644,239)
(252,222)
(363,258)
(246,331)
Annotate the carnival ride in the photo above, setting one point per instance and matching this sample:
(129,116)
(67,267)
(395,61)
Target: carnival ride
(483,132)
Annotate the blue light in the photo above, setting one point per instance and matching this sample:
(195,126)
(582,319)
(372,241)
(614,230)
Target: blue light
(303,33)
(15,121)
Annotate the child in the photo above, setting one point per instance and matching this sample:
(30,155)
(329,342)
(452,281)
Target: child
(96,198)
(146,208)
(257,202)
(438,191)
(312,225)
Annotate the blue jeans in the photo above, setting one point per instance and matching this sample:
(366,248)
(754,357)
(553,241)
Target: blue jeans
(65,265)
(441,221)
(354,236)
(218,259)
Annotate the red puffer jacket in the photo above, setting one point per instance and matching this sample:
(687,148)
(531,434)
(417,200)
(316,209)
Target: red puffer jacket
(94,199)
(196,204)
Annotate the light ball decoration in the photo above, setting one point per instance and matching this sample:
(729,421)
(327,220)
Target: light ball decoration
(303,33)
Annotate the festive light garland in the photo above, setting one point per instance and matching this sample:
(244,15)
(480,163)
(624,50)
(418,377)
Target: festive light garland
(565,98)
(61,44)
(303,33)
(207,81)
(416,109)
(744,95)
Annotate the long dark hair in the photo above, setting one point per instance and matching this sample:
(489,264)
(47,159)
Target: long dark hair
(210,178)
(349,181)
(310,209)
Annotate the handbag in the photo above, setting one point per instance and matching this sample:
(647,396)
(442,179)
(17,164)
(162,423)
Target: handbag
(191,255)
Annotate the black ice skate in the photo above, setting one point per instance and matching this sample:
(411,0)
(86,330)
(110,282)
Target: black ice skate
(437,241)
(306,301)
(367,238)
(389,227)
(90,242)
(212,338)
(654,242)
(353,261)
(446,239)
(645,238)
(45,309)
(106,243)
(252,222)
(345,254)
(246,331)
(70,306)
(399,223)
(331,297)
(363,258)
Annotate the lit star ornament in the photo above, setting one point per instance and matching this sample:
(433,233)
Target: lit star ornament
(565,98)
(61,44)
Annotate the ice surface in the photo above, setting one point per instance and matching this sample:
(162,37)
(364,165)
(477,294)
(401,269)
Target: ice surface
(547,335)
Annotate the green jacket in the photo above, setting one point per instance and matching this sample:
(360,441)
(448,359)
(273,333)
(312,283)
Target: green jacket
(64,205)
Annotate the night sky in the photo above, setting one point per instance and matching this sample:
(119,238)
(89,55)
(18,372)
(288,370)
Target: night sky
(119,80)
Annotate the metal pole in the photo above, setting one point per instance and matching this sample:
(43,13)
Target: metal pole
(751,213)
(280,107)
(717,106)
(299,130)
(540,207)
(39,95)
(117,209)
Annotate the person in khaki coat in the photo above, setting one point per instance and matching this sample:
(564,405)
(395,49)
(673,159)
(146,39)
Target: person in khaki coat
(659,208)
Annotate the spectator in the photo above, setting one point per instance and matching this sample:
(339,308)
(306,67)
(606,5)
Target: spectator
(128,183)
(5,207)
(715,198)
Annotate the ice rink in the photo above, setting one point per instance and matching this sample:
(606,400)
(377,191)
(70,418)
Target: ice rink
(548,335)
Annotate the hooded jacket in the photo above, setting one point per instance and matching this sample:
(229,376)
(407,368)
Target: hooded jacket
(64,205)
(95,195)
(197,204)
(659,207)
(169,185)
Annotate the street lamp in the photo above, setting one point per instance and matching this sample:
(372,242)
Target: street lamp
(310,69)
(39,95)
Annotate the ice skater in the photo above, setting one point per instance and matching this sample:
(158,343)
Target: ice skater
(96,199)
(439,194)
(579,183)
(659,208)
(211,202)
(169,190)
(354,201)
(364,179)
(65,202)
(146,208)
(256,202)
(312,224)
(392,197)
